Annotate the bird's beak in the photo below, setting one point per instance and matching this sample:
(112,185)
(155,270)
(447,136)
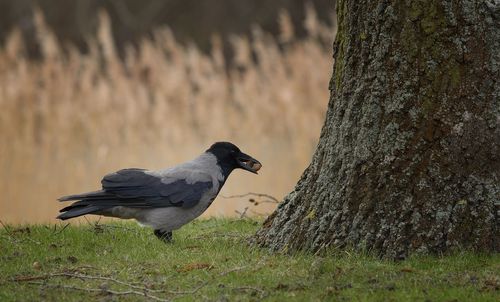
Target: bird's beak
(248,163)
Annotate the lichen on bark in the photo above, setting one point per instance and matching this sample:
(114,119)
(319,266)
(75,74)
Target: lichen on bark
(408,158)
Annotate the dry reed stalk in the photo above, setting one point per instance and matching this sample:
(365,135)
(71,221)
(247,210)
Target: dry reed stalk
(68,119)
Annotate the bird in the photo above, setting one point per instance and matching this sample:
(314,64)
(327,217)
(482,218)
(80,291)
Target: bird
(165,199)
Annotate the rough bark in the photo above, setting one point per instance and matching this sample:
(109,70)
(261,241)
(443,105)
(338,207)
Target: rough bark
(408,159)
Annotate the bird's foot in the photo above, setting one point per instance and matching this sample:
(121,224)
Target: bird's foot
(164,236)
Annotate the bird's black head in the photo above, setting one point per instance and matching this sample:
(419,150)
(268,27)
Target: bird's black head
(230,157)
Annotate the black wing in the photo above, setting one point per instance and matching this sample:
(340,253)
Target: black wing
(136,189)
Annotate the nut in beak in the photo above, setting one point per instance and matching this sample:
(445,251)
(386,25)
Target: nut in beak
(250,164)
(255,166)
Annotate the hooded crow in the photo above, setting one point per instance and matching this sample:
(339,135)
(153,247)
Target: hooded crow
(164,199)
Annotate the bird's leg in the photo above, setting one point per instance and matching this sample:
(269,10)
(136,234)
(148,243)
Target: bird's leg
(164,236)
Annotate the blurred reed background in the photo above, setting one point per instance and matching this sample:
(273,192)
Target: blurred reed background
(69,117)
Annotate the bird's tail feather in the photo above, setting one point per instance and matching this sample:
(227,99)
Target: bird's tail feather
(85,204)
(89,195)
(75,211)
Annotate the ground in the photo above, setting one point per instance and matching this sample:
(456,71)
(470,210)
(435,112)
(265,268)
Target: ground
(211,260)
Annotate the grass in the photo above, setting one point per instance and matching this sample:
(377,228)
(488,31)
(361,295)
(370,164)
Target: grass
(210,260)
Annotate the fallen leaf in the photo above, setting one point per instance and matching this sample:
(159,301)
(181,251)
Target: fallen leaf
(193,266)
(29,278)
(491,283)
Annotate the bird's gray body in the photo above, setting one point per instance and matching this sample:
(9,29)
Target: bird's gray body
(164,199)
(202,169)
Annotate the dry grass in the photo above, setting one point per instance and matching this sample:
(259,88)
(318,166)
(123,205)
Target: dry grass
(70,118)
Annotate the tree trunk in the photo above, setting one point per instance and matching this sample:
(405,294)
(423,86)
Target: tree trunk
(408,159)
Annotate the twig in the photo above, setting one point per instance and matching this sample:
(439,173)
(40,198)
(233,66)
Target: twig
(272,198)
(88,221)
(96,227)
(30,278)
(61,230)
(82,276)
(239,268)
(113,280)
(101,290)
(242,214)
(258,214)
(93,224)
(133,289)
(222,274)
(89,277)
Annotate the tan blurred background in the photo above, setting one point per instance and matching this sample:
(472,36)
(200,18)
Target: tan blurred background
(90,87)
